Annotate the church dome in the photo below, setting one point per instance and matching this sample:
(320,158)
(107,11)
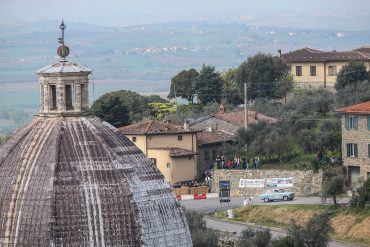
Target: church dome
(75,180)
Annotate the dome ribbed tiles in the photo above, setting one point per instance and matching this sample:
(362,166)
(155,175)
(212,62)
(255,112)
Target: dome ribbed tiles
(78,182)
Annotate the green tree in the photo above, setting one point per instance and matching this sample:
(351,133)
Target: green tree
(208,85)
(353,94)
(333,188)
(121,108)
(350,74)
(162,109)
(111,109)
(232,90)
(315,233)
(182,85)
(283,86)
(262,72)
(200,234)
(362,197)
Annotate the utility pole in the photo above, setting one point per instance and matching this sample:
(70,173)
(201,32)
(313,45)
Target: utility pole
(245,106)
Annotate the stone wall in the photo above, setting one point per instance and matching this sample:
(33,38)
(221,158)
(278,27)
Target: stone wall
(306,183)
(361,137)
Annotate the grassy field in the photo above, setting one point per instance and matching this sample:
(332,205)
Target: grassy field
(348,225)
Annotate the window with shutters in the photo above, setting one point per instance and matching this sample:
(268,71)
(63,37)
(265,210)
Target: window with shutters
(298,70)
(368,122)
(332,70)
(368,150)
(352,150)
(312,70)
(351,122)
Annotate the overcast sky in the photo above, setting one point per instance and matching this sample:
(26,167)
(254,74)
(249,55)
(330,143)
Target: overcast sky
(129,12)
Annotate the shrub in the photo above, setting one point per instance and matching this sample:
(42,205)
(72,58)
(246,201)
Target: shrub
(362,197)
(254,238)
(315,233)
(200,234)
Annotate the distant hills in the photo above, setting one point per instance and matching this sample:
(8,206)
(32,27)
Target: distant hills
(156,52)
(141,58)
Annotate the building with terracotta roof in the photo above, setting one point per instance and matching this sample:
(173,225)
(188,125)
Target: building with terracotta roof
(229,122)
(70,179)
(171,148)
(211,144)
(356,140)
(315,68)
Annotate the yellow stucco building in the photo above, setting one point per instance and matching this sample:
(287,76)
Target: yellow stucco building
(172,148)
(315,68)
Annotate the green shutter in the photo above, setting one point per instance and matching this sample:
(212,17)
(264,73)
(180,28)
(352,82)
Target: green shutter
(346,117)
(368,150)
(368,122)
(355,122)
(348,151)
(356,154)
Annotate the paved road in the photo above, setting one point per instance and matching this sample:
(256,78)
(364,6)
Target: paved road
(211,205)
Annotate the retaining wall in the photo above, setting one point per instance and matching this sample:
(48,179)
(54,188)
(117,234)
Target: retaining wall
(306,183)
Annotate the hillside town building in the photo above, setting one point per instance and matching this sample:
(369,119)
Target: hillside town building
(171,148)
(315,68)
(229,122)
(356,140)
(210,145)
(70,179)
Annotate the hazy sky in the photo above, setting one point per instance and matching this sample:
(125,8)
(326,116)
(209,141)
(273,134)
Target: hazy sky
(120,12)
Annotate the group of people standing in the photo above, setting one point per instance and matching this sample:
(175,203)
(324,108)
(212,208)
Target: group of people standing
(236,163)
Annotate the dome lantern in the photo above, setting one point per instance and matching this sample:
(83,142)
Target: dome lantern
(63,85)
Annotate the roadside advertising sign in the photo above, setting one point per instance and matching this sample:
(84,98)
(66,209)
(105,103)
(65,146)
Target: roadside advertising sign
(279,182)
(251,183)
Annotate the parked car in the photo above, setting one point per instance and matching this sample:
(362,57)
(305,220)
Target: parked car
(276,194)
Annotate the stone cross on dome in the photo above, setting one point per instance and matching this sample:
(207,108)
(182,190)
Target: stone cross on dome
(63,85)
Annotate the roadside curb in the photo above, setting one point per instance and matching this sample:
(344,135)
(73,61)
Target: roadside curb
(196,196)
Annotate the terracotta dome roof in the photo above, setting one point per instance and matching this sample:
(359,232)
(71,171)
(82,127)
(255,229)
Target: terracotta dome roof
(78,181)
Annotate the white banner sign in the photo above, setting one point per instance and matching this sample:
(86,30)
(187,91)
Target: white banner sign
(251,183)
(279,182)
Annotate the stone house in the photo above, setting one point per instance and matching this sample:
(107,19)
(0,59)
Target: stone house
(315,68)
(355,121)
(229,122)
(210,144)
(172,148)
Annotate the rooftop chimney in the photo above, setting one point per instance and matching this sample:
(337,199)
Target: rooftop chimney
(186,125)
(221,109)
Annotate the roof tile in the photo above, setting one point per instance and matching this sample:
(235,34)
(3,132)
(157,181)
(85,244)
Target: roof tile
(151,127)
(237,117)
(212,137)
(362,108)
(312,55)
